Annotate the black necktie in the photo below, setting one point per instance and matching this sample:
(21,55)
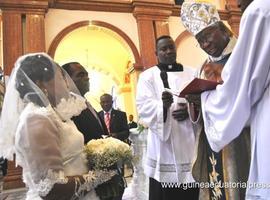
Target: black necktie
(164,68)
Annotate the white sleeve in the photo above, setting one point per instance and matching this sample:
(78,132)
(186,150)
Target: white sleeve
(149,105)
(246,76)
(39,153)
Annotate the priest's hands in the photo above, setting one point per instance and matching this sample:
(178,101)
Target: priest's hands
(212,71)
(182,113)
(167,99)
(179,114)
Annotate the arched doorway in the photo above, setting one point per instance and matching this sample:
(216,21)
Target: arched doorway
(107,53)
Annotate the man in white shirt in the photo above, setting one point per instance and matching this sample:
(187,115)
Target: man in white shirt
(171,139)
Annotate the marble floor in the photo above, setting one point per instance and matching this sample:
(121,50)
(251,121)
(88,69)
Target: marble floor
(19,194)
(16,194)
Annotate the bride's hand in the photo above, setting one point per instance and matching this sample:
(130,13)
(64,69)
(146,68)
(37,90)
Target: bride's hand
(101,176)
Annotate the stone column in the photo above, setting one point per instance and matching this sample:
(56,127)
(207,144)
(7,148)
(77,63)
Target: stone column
(23,32)
(23,29)
(34,33)
(234,15)
(12,38)
(152,21)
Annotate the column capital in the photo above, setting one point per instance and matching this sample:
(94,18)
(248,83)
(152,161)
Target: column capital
(25,6)
(158,10)
(234,15)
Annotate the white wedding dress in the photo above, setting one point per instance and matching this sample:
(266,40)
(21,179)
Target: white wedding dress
(48,150)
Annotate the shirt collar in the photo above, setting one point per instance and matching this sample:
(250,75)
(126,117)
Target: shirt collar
(108,111)
(175,67)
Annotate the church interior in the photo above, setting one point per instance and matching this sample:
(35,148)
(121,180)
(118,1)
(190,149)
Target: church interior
(113,39)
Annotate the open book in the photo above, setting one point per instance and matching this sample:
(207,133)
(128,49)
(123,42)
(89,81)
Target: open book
(197,86)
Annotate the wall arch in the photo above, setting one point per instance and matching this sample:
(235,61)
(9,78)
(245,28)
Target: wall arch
(181,37)
(56,41)
(189,52)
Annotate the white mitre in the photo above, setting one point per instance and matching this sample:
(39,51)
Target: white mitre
(198,15)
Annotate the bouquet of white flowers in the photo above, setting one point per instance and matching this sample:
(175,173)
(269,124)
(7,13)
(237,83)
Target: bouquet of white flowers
(106,153)
(109,153)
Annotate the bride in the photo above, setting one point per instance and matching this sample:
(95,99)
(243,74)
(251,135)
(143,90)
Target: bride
(39,102)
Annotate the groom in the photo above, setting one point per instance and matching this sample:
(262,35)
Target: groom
(88,122)
(92,127)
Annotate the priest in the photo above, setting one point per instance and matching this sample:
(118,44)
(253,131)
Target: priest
(231,164)
(244,97)
(171,139)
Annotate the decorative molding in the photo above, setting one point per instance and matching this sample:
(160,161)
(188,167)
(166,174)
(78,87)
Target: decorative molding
(109,5)
(98,5)
(25,6)
(152,10)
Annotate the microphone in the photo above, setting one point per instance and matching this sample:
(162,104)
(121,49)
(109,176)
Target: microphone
(164,78)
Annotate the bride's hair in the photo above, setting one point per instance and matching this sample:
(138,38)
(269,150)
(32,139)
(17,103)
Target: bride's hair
(36,68)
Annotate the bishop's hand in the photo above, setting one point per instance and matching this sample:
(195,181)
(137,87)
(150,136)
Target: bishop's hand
(212,71)
(194,99)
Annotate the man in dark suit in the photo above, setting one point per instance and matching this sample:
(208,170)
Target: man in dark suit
(88,122)
(115,120)
(131,123)
(117,126)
